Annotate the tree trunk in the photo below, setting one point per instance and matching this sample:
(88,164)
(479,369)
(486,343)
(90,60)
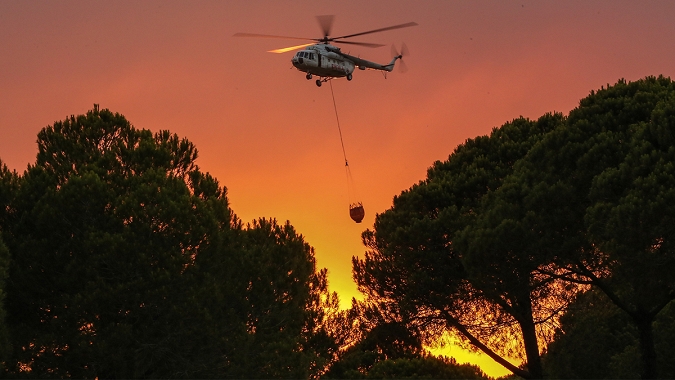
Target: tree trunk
(530,343)
(532,351)
(647,350)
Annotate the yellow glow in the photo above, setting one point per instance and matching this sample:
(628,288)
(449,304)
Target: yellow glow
(461,355)
(283,50)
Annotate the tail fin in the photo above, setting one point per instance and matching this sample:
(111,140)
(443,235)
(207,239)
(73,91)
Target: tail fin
(390,67)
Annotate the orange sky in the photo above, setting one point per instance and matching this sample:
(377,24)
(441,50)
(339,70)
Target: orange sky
(269,135)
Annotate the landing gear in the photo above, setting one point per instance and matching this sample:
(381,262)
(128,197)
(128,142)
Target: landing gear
(308,76)
(322,80)
(349,76)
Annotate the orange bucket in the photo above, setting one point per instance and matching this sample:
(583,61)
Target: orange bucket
(356,212)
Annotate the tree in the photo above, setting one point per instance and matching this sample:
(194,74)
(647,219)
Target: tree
(8,183)
(108,224)
(5,346)
(286,305)
(386,348)
(377,339)
(425,367)
(596,340)
(126,261)
(416,267)
(597,195)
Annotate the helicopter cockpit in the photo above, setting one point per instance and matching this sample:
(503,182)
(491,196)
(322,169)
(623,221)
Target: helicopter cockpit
(304,58)
(305,54)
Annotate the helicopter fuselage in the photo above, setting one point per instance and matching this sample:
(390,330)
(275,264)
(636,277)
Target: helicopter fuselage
(322,62)
(327,61)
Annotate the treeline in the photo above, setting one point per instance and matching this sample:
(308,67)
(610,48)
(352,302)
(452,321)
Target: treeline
(549,240)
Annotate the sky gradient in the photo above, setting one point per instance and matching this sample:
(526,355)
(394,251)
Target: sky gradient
(270,136)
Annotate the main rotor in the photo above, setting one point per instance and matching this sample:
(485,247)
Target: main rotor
(326,24)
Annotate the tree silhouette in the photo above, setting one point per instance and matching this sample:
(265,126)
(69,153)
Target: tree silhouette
(127,262)
(8,185)
(420,265)
(109,222)
(596,340)
(597,195)
(506,236)
(286,302)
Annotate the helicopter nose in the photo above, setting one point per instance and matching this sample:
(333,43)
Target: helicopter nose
(297,61)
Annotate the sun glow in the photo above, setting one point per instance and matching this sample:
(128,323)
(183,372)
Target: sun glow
(291,48)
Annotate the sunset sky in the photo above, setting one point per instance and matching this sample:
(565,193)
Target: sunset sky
(270,136)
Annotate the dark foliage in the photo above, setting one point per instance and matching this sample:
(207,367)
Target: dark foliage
(420,266)
(603,185)
(127,262)
(497,240)
(596,340)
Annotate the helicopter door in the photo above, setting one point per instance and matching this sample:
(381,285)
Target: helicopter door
(311,59)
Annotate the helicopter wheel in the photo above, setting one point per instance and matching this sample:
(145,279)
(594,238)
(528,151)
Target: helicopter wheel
(318,83)
(308,76)
(349,76)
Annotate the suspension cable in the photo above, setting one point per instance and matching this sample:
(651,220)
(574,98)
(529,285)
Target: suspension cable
(338,123)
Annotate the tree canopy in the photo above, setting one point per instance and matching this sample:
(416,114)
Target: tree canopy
(126,262)
(597,193)
(416,265)
(499,238)
(596,340)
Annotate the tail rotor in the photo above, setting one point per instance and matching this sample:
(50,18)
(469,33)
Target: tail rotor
(399,55)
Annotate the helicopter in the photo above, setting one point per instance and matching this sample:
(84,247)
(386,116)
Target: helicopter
(321,59)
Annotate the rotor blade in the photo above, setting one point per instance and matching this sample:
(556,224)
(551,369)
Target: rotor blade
(402,67)
(290,48)
(367,44)
(326,23)
(406,25)
(404,51)
(272,36)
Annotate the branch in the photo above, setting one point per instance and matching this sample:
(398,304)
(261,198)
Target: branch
(552,314)
(462,330)
(605,289)
(565,276)
(659,307)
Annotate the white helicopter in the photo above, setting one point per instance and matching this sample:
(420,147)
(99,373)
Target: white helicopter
(327,61)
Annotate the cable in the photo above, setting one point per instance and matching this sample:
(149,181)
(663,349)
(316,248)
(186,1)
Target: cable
(356,211)
(338,123)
